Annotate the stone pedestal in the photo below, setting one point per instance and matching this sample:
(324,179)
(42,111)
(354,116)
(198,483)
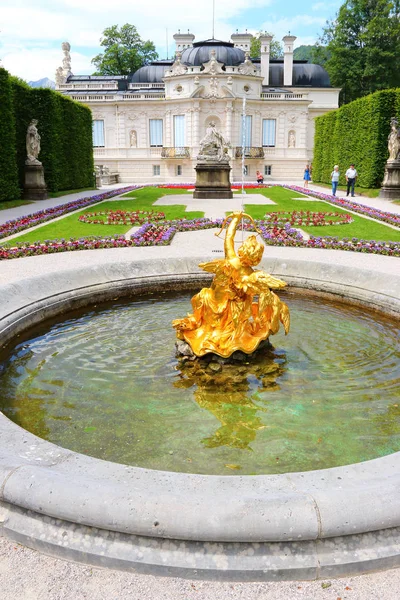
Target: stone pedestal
(212,181)
(34,185)
(391,181)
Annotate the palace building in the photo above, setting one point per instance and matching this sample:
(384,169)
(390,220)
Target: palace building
(147,126)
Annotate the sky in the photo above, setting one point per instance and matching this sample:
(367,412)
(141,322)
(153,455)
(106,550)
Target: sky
(31,32)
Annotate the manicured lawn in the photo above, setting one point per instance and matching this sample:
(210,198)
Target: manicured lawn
(13,204)
(138,200)
(360,228)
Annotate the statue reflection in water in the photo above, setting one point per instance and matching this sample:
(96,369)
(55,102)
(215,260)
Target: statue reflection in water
(227,394)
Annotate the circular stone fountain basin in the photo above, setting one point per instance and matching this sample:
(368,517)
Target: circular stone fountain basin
(105,382)
(309,524)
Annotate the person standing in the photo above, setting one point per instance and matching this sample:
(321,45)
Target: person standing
(351,176)
(307,176)
(335,179)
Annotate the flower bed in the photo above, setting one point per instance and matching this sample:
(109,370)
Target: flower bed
(25,222)
(307,218)
(374,213)
(121,217)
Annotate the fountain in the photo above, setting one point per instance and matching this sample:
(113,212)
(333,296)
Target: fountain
(281,518)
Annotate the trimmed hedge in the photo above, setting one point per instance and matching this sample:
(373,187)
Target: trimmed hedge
(9,188)
(65,128)
(356,133)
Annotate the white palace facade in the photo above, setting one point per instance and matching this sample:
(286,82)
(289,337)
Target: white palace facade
(147,126)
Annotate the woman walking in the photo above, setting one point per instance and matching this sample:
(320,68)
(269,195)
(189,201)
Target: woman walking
(307,176)
(335,179)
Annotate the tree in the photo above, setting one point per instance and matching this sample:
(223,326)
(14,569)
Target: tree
(364,47)
(125,51)
(276,50)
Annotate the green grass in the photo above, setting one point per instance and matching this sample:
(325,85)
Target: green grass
(13,204)
(369,192)
(144,199)
(360,228)
(70,226)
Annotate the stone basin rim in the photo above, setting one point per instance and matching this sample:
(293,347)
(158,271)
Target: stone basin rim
(38,476)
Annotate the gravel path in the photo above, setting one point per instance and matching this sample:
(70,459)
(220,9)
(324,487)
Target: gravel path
(28,575)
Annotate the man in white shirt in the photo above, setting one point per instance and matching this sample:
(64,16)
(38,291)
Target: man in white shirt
(351,176)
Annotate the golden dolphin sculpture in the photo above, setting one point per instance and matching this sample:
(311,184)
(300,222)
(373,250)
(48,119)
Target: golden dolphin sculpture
(225,317)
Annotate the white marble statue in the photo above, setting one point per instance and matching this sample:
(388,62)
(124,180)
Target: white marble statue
(177,68)
(247,68)
(213,147)
(32,144)
(292,139)
(394,140)
(60,79)
(133,139)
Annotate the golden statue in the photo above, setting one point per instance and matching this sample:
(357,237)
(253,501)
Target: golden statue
(225,318)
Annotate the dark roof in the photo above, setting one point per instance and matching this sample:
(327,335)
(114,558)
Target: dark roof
(225,52)
(152,73)
(304,75)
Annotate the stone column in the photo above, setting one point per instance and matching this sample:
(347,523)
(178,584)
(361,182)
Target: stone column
(288,59)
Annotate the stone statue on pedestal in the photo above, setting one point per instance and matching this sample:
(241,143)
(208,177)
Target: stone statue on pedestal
(391,181)
(212,169)
(34,183)
(32,144)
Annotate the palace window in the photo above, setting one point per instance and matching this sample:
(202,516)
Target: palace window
(156,170)
(179,169)
(98,134)
(245,136)
(179,131)
(246,170)
(156,132)
(268,132)
(267,169)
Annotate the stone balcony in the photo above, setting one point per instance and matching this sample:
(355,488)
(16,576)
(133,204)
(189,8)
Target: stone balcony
(249,152)
(182,152)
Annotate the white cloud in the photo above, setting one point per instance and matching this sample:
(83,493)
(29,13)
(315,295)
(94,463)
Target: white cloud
(34,64)
(31,33)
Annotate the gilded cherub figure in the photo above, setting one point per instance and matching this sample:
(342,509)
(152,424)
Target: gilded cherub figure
(225,316)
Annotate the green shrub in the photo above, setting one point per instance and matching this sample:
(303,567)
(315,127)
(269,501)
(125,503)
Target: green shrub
(9,189)
(65,128)
(356,133)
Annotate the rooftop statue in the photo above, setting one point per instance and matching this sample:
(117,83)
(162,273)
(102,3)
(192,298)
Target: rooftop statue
(225,316)
(213,147)
(32,144)
(394,140)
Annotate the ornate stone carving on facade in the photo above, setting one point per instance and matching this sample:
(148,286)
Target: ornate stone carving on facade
(66,63)
(247,67)
(32,144)
(133,139)
(213,90)
(196,80)
(229,81)
(292,139)
(292,118)
(213,147)
(177,68)
(394,140)
(60,79)
(213,67)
